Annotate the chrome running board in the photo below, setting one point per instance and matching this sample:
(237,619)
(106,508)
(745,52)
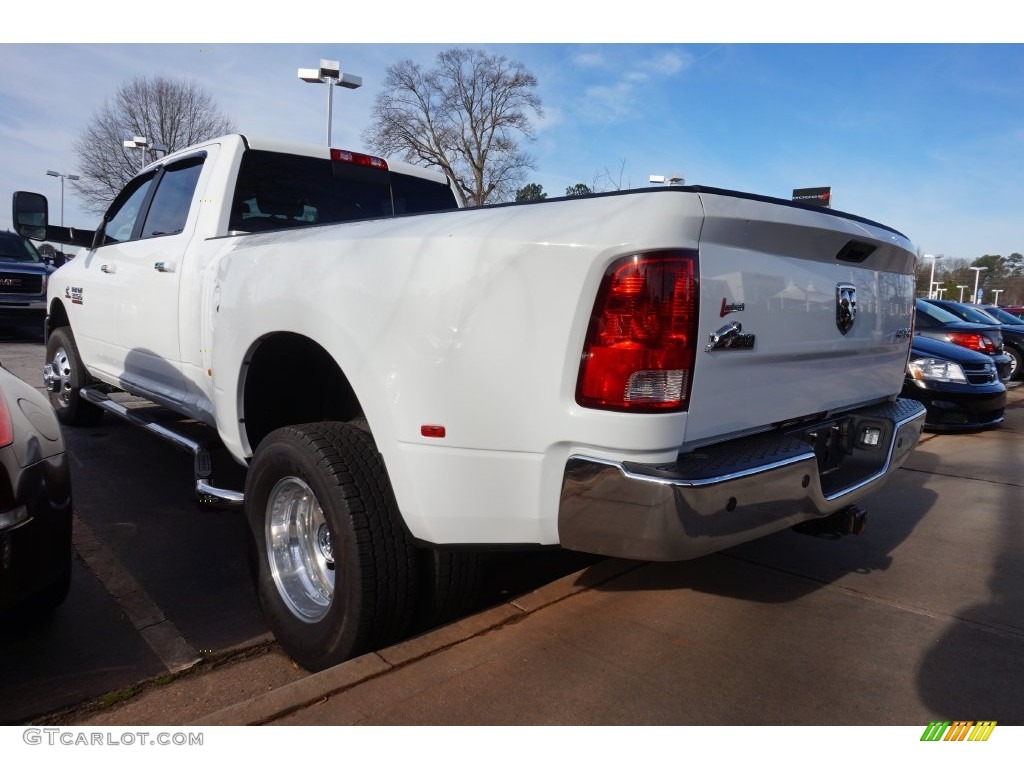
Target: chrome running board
(202,464)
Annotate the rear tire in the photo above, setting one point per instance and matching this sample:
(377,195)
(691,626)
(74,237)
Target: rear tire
(449,585)
(68,375)
(336,573)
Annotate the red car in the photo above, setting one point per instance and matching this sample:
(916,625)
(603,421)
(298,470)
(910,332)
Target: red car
(35,503)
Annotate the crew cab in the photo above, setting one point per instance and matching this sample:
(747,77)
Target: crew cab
(652,374)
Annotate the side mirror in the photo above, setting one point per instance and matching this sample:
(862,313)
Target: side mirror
(30,214)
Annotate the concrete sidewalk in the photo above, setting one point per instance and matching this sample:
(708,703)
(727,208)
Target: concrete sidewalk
(921,618)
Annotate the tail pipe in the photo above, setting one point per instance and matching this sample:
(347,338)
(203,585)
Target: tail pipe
(206,492)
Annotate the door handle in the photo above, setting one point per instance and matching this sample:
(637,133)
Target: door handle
(164,266)
(108,269)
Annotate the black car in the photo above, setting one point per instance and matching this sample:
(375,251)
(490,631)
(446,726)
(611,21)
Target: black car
(959,388)
(937,323)
(35,502)
(1012,331)
(23,276)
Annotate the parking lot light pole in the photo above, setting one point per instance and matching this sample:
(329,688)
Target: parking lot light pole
(931,281)
(672,180)
(331,74)
(962,289)
(977,274)
(995,295)
(138,142)
(143,143)
(62,176)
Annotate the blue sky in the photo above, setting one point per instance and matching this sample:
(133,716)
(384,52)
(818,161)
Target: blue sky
(925,137)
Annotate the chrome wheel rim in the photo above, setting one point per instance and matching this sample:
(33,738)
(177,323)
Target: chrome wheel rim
(58,377)
(300,549)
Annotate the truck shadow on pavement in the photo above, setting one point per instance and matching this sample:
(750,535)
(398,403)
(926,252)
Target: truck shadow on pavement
(933,590)
(975,668)
(813,562)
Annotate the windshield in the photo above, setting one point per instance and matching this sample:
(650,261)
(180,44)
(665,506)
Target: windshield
(14,247)
(1003,316)
(974,315)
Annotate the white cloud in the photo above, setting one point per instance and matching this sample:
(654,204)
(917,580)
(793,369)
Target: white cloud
(669,63)
(608,103)
(590,60)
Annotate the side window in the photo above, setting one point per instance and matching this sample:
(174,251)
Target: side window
(923,320)
(415,195)
(124,213)
(173,198)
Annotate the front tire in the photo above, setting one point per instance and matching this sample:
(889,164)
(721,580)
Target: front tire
(336,569)
(48,599)
(1016,372)
(64,376)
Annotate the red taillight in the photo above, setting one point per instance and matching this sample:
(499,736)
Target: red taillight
(976,341)
(357,158)
(6,427)
(641,343)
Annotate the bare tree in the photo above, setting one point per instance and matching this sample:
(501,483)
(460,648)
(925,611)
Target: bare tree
(614,182)
(174,113)
(464,117)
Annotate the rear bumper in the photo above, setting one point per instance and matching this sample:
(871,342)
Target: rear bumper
(733,492)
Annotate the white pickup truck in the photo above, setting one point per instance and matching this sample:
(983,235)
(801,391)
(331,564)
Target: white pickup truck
(651,374)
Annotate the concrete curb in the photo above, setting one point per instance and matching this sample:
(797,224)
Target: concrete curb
(321,685)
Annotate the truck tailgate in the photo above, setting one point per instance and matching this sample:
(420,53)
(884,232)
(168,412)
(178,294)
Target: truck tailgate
(779,286)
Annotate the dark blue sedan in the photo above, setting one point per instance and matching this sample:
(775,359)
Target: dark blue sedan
(959,388)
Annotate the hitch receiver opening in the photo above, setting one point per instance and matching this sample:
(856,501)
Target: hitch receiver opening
(849,520)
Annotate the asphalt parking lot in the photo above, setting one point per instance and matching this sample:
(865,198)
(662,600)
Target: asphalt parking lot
(921,618)
(160,582)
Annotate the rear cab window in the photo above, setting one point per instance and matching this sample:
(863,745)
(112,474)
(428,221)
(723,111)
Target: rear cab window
(277,190)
